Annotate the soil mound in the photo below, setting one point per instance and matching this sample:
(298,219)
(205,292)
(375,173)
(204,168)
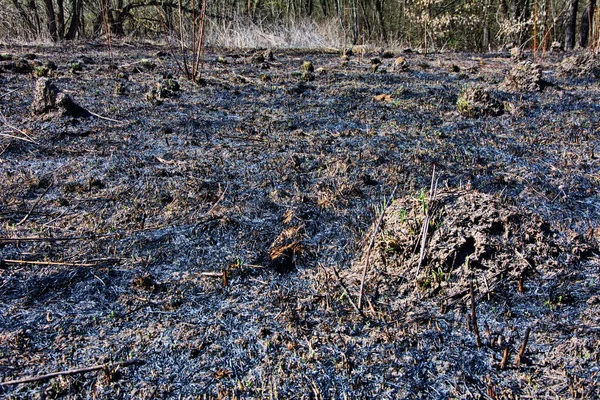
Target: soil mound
(477,102)
(580,66)
(48,99)
(469,235)
(524,77)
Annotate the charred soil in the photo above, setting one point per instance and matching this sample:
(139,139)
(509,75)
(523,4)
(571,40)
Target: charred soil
(228,236)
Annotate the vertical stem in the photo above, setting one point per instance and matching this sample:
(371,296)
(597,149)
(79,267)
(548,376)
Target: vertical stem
(523,346)
(474,315)
(535,16)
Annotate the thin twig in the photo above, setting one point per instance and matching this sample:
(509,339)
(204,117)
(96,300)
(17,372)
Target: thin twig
(7,93)
(54,239)
(426,220)
(17,137)
(371,243)
(66,264)
(341,282)
(474,315)
(26,217)
(99,367)
(26,137)
(102,117)
(218,201)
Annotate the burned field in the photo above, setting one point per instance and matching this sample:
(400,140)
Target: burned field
(238,238)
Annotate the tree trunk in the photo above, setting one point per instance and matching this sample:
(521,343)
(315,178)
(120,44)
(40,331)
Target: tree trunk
(76,6)
(36,17)
(587,20)
(354,23)
(51,22)
(571,25)
(324,8)
(26,20)
(60,18)
(380,21)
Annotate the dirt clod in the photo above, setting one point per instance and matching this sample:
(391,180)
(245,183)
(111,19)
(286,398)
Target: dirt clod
(48,99)
(477,101)
(524,77)
(580,66)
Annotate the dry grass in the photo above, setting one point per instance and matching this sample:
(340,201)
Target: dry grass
(305,34)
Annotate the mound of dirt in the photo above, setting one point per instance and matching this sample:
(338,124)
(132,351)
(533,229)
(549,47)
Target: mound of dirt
(580,66)
(48,99)
(524,77)
(468,235)
(476,101)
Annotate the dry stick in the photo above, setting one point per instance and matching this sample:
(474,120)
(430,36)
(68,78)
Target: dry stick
(66,264)
(9,92)
(74,371)
(371,243)
(426,220)
(27,138)
(26,217)
(474,315)
(523,346)
(17,137)
(341,282)
(504,358)
(54,239)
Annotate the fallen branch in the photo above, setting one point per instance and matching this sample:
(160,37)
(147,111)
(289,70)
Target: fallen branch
(54,239)
(222,275)
(99,367)
(371,243)
(66,264)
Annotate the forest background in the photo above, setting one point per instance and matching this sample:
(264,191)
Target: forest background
(430,25)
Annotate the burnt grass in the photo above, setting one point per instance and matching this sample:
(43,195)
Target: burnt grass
(218,232)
